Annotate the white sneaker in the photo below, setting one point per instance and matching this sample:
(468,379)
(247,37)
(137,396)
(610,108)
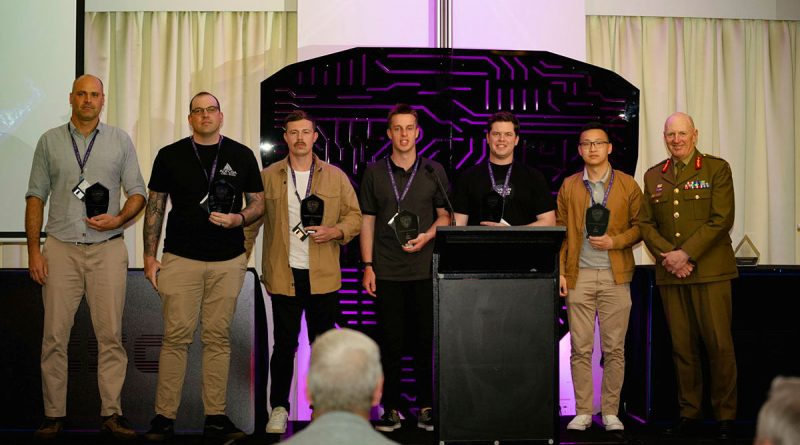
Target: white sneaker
(613,423)
(277,420)
(580,422)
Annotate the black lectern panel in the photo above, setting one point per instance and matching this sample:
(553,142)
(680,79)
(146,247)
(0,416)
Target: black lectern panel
(495,327)
(491,357)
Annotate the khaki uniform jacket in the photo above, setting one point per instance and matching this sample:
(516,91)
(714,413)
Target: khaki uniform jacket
(624,200)
(693,212)
(341,211)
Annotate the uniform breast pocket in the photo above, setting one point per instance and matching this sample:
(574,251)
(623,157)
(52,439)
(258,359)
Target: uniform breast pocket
(659,205)
(330,215)
(700,202)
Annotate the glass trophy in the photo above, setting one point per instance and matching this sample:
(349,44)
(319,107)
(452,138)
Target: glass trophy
(746,253)
(597,220)
(492,207)
(406,226)
(311,211)
(221,197)
(96,200)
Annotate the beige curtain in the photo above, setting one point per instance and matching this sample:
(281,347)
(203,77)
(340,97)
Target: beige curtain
(152,64)
(739,80)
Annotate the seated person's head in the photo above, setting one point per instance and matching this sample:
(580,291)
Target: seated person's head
(779,417)
(345,373)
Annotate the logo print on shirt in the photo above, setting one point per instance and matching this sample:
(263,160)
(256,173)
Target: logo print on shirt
(228,170)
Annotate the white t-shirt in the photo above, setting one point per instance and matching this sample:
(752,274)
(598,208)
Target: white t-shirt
(298,250)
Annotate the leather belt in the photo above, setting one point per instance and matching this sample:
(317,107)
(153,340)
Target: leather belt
(78,243)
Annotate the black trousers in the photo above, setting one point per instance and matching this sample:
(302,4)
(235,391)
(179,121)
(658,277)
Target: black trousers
(286,314)
(405,317)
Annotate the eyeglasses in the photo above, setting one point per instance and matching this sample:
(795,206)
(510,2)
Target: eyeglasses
(210,110)
(591,144)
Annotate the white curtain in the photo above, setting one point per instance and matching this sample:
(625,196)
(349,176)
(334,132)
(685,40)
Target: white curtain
(152,63)
(739,81)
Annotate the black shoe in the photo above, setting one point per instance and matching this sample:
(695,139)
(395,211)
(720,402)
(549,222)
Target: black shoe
(683,427)
(118,426)
(219,426)
(389,422)
(425,419)
(161,428)
(50,428)
(725,430)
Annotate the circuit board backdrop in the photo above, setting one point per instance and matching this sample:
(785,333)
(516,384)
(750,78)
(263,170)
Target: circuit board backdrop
(454,91)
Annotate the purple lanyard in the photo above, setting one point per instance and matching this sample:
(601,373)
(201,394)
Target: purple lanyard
(294,179)
(608,189)
(82,163)
(213,164)
(504,192)
(397,194)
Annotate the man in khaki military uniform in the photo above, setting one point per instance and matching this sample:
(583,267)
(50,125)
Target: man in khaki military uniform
(686,215)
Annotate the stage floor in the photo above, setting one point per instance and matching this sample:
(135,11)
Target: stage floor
(409,434)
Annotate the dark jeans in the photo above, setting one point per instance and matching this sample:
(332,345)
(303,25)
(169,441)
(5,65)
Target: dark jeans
(286,313)
(405,316)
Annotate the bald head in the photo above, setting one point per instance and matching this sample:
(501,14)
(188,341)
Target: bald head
(87,78)
(87,100)
(680,117)
(680,136)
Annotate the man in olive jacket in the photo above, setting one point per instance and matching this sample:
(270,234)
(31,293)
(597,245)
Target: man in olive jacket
(300,262)
(686,215)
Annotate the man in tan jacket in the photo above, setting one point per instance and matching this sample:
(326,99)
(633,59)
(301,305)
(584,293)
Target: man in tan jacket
(600,207)
(686,216)
(310,211)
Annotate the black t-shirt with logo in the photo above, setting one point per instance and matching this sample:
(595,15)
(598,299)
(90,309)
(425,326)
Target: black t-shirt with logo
(178,172)
(530,193)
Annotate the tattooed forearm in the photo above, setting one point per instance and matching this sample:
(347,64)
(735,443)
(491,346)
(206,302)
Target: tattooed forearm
(254,208)
(153,221)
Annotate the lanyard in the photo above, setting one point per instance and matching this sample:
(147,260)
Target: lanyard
(294,179)
(82,163)
(608,189)
(213,164)
(504,191)
(397,194)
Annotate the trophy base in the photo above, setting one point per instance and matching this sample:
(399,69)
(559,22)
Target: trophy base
(747,261)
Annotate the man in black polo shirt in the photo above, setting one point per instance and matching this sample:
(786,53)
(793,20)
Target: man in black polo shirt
(502,192)
(401,206)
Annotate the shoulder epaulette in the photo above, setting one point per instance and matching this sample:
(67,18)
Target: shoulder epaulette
(712,157)
(659,164)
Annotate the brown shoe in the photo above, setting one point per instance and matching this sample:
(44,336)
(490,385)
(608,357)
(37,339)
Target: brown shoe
(50,428)
(118,427)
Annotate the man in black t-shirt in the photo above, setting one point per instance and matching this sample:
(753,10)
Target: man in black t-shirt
(204,262)
(502,192)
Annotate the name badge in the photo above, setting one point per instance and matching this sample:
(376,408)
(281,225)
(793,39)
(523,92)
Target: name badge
(300,232)
(80,190)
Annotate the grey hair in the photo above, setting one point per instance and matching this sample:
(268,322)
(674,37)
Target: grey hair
(344,371)
(779,417)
